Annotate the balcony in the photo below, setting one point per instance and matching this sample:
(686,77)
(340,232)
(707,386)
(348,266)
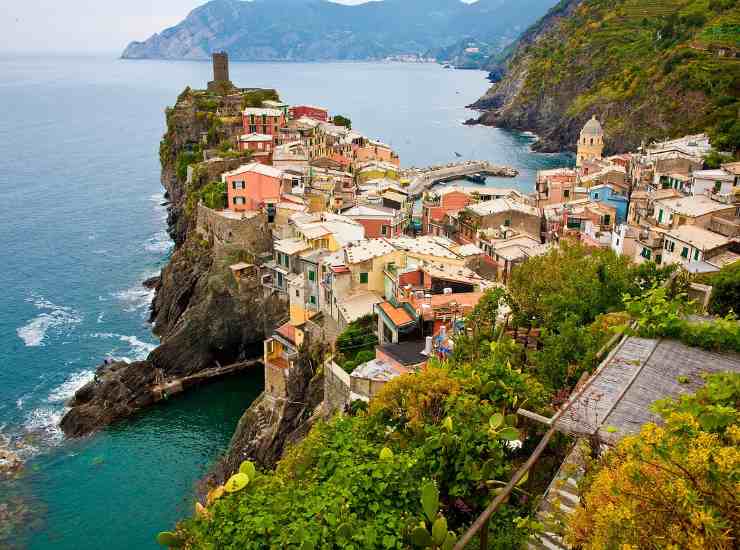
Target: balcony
(650,239)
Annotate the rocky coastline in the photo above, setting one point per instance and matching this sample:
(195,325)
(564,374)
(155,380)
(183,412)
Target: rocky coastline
(203,319)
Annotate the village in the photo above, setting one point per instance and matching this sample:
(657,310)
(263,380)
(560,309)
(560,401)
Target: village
(357,237)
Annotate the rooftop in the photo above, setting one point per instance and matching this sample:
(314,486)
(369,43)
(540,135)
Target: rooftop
(407,354)
(260,111)
(362,211)
(287,331)
(426,245)
(358,305)
(616,400)
(694,206)
(367,250)
(254,137)
(698,237)
(377,369)
(290,246)
(256,167)
(398,315)
(499,206)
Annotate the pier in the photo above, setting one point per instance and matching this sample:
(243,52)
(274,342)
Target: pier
(422,180)
(162,389)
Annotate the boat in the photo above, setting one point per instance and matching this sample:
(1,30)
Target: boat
(476,178)
(458,155)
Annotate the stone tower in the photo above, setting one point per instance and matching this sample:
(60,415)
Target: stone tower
(220,72)
(590,142)
(220,67)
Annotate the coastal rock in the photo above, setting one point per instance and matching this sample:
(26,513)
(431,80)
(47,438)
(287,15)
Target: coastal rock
(270,425)
(204,319)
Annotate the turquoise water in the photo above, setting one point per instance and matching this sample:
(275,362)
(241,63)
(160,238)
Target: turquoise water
(82,225)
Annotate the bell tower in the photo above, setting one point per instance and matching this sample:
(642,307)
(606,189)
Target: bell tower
(590,142)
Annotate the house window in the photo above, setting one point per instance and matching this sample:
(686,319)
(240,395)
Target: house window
(658,259)
(596,196)
(238,185)
(384,230)
(607,219)
(312,300)
(685,252)
(363,278)
(312,276)
(660,216)
(696,255)
(297,293)
(566,193)
(239,200)
(646,253)
(717,186)
(507,222)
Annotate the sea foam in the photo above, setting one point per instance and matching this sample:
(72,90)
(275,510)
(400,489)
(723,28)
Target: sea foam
(53,317)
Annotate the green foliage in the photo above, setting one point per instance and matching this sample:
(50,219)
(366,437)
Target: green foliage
(184,159)
(715,159)
(575,282)
(726,290)
(340,120)
(213,195)
(169,539)
(657,315)
(236,483)
(255,98)
(654,67)
(356,344)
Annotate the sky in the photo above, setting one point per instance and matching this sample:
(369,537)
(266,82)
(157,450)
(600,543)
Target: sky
(88,25)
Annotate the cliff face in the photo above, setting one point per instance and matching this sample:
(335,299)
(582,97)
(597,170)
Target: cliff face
(313,30)
(203,316)
(648,70)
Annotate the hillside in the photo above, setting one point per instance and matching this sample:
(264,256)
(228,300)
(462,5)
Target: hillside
(647,68)
(313,30)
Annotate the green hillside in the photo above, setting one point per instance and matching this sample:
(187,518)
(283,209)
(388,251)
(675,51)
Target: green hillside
(648,68)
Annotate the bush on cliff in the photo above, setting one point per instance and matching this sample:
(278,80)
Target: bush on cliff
(354,482)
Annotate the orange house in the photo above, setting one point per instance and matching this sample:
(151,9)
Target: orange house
(435,208)
(253,186)
(375,150)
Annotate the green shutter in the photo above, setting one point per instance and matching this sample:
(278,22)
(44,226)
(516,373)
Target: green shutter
(363,278)
(312,276)
(685,252)
(660,216)
(696,255)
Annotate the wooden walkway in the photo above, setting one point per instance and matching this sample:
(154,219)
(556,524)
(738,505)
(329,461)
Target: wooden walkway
(166,388)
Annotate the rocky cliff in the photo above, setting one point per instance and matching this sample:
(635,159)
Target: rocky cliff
(647,69)
(203,316)
(313,30)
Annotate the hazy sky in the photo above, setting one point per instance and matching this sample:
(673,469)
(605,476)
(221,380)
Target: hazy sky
(88,25)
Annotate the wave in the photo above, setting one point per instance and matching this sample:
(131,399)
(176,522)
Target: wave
(135,298)
(139,348)
(159,243)
(56,317)
(65,391)
(44,422)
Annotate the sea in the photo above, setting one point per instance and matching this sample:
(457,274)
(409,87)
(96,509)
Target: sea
(83,224)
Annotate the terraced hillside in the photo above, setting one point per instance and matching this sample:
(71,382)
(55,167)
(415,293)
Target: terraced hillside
(647,68)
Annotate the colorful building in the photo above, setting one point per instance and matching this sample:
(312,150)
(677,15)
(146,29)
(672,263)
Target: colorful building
(309,111)
(253,187)
(259,120)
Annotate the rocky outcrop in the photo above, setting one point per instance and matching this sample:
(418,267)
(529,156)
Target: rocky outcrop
(270,425)
(202,314)
(205,320)
(667,79)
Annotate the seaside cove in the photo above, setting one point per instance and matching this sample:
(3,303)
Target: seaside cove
(85,225)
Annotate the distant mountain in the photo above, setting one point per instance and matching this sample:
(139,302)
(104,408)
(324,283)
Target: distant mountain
(315,30)
(648,69)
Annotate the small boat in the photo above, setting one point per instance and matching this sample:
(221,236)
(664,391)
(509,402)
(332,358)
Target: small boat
(458,155)
(476,178)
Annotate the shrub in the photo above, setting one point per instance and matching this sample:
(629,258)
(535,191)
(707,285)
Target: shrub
(726,290)
(673,486)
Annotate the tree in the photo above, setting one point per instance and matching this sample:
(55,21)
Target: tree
(671,486)
(726,290)
(340,120)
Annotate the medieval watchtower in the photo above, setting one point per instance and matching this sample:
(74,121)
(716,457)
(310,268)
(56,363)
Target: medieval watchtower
(220,72)
(590,142)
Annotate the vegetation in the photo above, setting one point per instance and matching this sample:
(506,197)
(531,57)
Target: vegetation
(725,290)
(255,98)
(356,344)
(213,195)
(656,67)
(340,120)
(673,486)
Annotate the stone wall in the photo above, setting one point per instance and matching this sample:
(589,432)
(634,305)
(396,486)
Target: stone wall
(250,232)
(336,387)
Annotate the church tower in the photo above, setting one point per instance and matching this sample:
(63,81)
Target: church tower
(591,142)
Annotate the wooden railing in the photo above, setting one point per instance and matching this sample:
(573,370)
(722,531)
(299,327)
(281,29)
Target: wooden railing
(480,525)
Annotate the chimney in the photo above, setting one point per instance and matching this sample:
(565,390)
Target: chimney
(427,346)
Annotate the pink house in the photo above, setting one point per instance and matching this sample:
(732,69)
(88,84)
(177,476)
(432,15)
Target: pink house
(253,187)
